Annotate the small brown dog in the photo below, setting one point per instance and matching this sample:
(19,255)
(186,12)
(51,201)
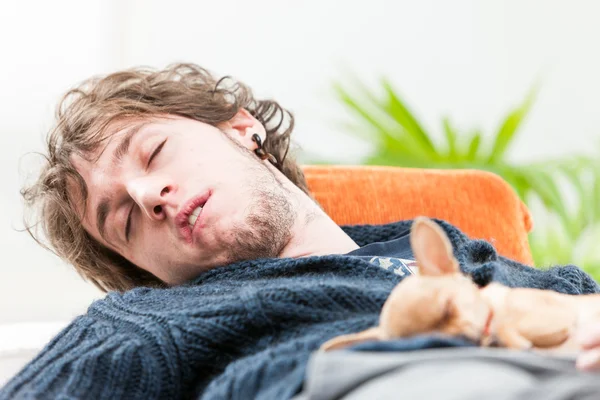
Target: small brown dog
(441,299)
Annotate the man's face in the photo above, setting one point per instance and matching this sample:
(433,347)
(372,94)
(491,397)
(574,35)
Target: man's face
(177,197)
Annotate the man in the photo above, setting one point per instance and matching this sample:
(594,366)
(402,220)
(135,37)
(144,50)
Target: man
(175,192)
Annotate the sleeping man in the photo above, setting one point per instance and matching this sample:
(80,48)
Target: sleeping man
(174,192)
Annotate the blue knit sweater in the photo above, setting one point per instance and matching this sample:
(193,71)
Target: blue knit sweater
(245,330)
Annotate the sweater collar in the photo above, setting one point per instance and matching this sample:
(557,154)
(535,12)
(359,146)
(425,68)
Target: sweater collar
(361,234)
(367,234)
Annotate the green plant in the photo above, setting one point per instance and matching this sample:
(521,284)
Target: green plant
(399,139)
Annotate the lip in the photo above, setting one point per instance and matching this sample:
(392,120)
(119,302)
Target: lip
(181,220)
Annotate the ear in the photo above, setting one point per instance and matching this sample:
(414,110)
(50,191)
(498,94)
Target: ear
(432,249)
(340,342)
(241,128)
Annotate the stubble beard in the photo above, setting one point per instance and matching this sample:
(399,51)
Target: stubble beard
(267,228)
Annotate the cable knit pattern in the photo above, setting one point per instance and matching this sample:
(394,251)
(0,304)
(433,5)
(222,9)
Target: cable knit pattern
(245,330)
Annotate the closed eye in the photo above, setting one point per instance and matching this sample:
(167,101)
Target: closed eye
(128,224)
(156,151)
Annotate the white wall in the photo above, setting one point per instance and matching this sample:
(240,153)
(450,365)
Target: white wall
(471,60)
(45,48)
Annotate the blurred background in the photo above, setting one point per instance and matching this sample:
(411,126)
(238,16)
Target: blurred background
(510,86)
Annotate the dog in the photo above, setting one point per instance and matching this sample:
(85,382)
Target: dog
(440,299)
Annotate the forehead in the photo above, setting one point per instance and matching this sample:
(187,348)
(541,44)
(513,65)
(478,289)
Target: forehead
(113,133)
(98,152)
(95,177)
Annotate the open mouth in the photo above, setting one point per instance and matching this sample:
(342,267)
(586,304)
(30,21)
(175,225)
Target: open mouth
(188,217)
(194,216)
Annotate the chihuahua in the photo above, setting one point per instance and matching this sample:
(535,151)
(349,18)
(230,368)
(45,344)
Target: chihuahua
(440,299)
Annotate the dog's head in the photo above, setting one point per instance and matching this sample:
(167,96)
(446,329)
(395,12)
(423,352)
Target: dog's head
(437,299)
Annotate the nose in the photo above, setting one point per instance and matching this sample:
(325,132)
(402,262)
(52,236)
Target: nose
(154,195)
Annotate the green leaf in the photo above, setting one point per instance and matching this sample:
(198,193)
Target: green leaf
(397,160)
(387,138)
(507,131)
(594,195)
(546,188)
(397,110)
(451,139)
(474,146)
(577,221)
(360,111)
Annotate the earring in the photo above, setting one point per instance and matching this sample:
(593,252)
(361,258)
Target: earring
(260,152)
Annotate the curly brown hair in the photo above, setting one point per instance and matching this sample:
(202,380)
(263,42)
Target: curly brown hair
(82,117)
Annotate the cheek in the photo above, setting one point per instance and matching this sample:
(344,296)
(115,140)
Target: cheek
(155,251)
(209,170)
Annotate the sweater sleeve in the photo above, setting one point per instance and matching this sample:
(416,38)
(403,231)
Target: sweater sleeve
(92,360)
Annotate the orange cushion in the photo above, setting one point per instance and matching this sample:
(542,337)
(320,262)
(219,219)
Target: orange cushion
(479,203)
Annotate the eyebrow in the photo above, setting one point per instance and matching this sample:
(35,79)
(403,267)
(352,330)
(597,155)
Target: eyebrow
(118,154)
(125,141)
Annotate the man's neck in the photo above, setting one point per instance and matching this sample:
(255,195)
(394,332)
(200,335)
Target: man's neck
(314,233)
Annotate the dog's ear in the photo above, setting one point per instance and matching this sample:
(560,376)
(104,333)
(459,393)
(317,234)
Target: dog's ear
(432,248)
(343,341)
